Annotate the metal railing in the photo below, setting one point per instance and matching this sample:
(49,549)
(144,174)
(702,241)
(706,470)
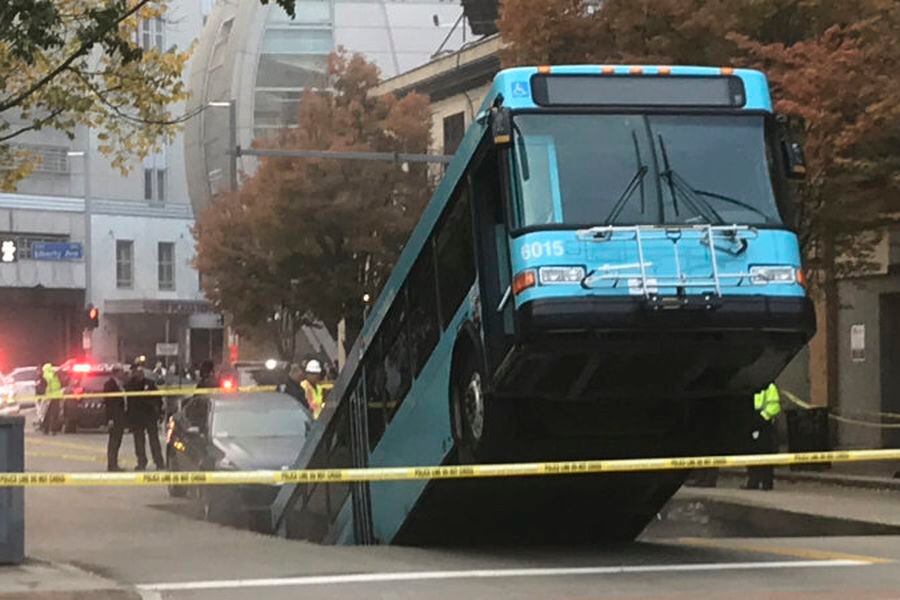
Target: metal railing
(731,239)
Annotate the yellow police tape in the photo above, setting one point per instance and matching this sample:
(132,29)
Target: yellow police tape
(184,391)
(548,469)
(841,417)
(180,391)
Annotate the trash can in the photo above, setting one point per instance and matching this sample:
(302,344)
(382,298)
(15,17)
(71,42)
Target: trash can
(808,432)
(12,499)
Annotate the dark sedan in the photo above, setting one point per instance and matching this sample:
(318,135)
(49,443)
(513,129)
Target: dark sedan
(236,431)
(84,413)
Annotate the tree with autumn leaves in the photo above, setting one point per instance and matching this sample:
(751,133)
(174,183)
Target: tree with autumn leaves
(831,63)
(304,239)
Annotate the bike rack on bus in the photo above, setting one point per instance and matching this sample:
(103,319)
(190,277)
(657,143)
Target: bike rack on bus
(636,275)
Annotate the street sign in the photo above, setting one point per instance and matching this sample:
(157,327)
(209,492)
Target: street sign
(57,251)
(166,349)
(8,251)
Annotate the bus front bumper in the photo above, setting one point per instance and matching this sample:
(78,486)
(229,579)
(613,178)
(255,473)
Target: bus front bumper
(589,348)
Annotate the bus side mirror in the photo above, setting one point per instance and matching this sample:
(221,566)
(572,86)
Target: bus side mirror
(794,159)
(501,126)
(792,150)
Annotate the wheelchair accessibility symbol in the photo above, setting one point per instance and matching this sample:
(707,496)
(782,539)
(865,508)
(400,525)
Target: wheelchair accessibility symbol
(520,90)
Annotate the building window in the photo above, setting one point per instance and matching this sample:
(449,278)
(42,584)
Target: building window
(152,34)
(124,264)
(50,159)
(154,184)
(166,269)
(454,130)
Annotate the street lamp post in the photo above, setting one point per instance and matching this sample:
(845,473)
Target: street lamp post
(233,150)
(86,248)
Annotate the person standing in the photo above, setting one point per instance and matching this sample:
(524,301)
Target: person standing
(767,405)
(143,417)
(207,378)
(115,418)
(53,392)
(312,388)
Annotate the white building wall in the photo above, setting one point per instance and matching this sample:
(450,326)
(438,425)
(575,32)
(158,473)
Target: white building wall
(145,234)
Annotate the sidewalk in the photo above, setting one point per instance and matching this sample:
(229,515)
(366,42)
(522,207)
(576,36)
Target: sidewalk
(814,498)
(867,475)
(40,579)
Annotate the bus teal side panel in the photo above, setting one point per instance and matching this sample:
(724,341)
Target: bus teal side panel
(419,434)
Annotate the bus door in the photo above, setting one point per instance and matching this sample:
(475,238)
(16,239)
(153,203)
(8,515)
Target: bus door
(359,449)
(492,246)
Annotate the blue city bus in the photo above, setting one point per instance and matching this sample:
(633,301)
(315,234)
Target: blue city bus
(606,270)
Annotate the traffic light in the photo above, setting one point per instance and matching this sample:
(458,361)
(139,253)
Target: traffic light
(92,317)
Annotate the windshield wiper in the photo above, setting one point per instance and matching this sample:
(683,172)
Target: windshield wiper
(637,181)
(692,198)
(736,202)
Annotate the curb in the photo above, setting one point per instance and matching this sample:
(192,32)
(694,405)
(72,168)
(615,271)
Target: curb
(856,481)
(851,481)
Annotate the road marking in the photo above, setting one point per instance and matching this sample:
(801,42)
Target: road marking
(802,553)
(489,574)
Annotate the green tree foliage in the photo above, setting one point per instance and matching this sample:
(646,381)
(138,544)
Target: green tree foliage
(309,237)
(70,63)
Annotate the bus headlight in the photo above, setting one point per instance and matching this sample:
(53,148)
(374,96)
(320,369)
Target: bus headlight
(766,275)
(560,275)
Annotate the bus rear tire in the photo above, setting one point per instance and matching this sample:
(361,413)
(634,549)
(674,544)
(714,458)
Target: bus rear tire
(483,425)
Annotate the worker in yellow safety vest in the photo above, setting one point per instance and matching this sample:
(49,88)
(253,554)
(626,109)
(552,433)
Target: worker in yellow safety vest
(312,387)
(767,405)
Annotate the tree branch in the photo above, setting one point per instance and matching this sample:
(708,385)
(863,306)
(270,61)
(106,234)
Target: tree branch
(79,52)
(120,113)
(35,125)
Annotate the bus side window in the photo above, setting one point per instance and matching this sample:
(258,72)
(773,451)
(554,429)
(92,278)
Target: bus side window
(395,343)
(375,395)
(455,255)
(424,322)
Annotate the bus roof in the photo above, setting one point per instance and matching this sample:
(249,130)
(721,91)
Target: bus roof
(515,85)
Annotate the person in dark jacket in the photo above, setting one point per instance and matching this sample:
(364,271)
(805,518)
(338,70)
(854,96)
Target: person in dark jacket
(115,418)
(143,418)
(207,377)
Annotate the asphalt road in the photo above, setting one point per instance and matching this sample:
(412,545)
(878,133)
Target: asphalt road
(156,547)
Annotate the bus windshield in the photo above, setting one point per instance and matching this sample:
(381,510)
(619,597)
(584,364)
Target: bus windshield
(630,169)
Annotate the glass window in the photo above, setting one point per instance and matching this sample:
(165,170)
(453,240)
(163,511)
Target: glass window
(455,255)
(244,423)
(218,54)
(154,184)
(642,169)
(152,34)
(160,185)
(166,265)
(276,108)
(297,41)
(454,130)
(148,184)
(375,394)
(397,375)
(292,71)
(124,264)
(424,322)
